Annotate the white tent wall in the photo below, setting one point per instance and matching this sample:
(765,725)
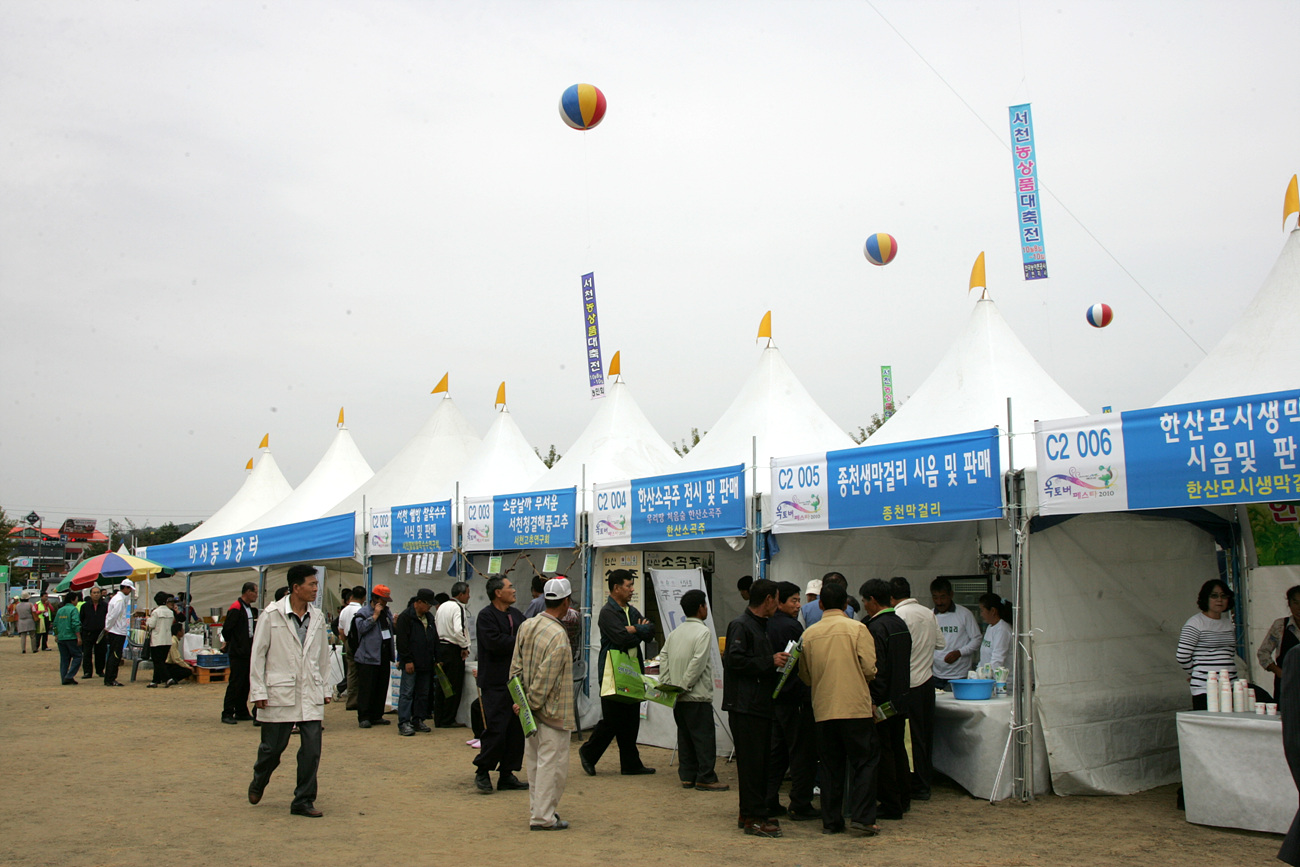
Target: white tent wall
(1109,594)
(1265,601)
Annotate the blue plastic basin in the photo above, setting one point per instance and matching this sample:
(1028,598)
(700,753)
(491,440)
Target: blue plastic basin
(972,690)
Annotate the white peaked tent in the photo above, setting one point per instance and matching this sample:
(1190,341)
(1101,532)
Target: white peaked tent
(263,489)
(619,443)
(424,470)
(341,470)
(1259,355)
(503,464)
(775,409)
(969,387)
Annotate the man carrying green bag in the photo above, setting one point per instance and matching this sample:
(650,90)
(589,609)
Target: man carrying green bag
(622,631)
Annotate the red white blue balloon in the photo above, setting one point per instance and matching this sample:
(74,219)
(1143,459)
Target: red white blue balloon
(880,249)
(1099,315)
(582,106)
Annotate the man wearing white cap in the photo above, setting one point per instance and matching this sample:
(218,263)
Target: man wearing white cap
(116,624)
(543,662)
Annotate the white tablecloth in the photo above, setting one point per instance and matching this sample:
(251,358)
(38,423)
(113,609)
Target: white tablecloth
(1235,773)
(969,740)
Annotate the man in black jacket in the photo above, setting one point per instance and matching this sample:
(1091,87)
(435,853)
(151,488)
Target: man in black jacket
(237,633)
(892,685)
(621,628)
(750,676)
(92,624)
(501,748)
(417,651)
(794,744)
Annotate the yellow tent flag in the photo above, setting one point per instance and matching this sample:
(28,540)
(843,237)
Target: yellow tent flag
(266,442)
(765,327)
(340,416)
(1291,204)
(501,394)
(614,369)
(977,273)
(249,465)
(441,387)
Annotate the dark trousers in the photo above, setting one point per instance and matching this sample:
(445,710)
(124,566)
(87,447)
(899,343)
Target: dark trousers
(921,715)
(752,736)
(113,658)
(413,699)
(446,707)
(848,747)
(697,742)
(352,671)
(95,652)
(275,737)
(619,720)
(794,747)
(158,655)
(236,701)
(69,659)
(893,785)
(372,685)
(502,744)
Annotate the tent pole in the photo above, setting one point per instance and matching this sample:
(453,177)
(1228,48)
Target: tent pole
(366,564)
(261,585)
(751,515)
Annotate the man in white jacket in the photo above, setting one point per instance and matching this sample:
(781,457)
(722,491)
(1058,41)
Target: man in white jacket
(290,665)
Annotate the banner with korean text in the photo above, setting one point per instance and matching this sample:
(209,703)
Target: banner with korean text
(321,539)
(411,529)
(509,522)
(952,478)
(1233,450)
(707,504)
(591,330)
(1028,200)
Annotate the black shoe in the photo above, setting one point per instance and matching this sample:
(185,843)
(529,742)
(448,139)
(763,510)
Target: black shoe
(508,782)
(382,722)
(69,682)
(363,724)
(421,727)
(833,829)
(864,829)
(229,720)
(115,683)
(245,717)
(639,771)
(588,766)
(308,809)
(255,792)
(890,815)
(920,796)
(805,814)
(406,730)
(483,782)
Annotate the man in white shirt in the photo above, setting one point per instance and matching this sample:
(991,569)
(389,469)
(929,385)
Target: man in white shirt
(926,639)
(117,622)
(453,650)
(349,611)
(961,634)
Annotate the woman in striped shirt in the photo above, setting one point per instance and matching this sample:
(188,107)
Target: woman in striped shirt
(1208,641)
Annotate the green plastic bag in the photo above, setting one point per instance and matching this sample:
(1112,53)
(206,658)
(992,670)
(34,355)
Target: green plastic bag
(622,680)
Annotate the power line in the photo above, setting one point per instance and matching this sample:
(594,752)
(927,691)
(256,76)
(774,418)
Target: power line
(1006,145)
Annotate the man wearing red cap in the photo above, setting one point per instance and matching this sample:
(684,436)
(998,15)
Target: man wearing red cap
(376,649)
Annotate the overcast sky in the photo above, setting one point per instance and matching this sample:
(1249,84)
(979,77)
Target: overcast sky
(223,219)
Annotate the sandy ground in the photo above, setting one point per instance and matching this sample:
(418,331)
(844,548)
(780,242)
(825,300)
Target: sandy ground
(154,769)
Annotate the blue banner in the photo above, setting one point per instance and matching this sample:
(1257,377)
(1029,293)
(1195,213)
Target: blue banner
(591,326)
(539,519)
(322,539)
(953,478)
(1028,201)
(708,504)
(411,529)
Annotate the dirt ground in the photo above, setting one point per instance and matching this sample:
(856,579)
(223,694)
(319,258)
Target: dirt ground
(99,776)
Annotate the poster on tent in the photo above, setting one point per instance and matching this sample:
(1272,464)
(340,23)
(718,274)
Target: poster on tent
(707,504)
(670,586)
(629,560)
(1232,450)
(510,522)
(1275,532)
(412,529)
(322,539)
(929,481)
(1028,201)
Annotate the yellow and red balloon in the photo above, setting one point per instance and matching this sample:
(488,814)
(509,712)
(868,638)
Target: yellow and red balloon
(582,106)
(880,249)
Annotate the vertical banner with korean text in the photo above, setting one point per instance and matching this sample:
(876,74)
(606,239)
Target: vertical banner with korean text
(887,389)
(1028,200)
(591,328)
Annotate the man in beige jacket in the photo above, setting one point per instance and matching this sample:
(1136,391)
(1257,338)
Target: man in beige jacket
(839,661)
(287,683)
(687,663)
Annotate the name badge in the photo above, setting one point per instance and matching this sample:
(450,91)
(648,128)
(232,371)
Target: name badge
(385,634)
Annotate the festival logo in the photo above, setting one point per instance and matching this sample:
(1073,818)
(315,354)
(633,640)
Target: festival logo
(798,508)
(614,527)
(478,535)
(1082,484)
